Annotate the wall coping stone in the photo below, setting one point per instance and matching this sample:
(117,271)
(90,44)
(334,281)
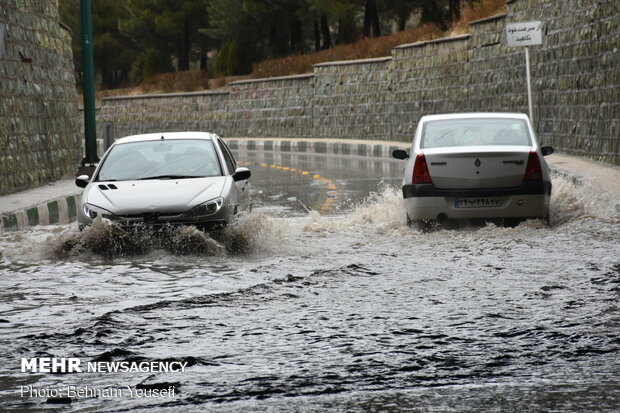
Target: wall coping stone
(488,19)
(167,95)
(425,42)
(272,79)
(354,62)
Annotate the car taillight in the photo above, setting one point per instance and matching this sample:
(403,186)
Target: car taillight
(533,170)
(420,171)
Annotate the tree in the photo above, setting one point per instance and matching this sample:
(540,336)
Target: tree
(455,9)
(372,27)
(169,29)
(432,12)
(232,25)
(113,54)
(135,39)
(400,10)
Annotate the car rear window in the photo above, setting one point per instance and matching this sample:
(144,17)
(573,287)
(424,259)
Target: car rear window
(474,132)
(167,157)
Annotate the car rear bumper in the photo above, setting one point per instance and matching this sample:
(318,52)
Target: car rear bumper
(428,190)
(531,200)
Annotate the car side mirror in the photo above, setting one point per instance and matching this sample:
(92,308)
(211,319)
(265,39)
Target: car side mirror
(400,154)
(241,174)
(82,181)
(546,150)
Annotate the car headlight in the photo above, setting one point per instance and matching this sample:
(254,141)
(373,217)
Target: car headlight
(206,208)
(92,211)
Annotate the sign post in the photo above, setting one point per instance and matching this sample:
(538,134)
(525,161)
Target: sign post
(88,81)
(524,35)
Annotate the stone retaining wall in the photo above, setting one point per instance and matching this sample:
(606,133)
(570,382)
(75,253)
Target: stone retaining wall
(577,74)
(167,112)
(428,77)
(279,107)
(40,137)
(576,86)
(353,99)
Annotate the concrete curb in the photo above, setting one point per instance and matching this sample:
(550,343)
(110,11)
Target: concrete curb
(61,210)
(374,149)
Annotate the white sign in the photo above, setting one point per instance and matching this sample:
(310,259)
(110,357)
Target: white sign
(524,34)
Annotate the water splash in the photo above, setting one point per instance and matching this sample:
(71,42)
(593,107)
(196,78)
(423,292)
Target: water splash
(382,212)
(251,233)
(571,202)
(256,232)
(381,215)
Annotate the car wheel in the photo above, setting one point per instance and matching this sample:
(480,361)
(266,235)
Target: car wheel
(512,222)
(424,225)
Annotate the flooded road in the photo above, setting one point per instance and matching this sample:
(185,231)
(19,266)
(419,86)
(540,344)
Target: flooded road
(322,299)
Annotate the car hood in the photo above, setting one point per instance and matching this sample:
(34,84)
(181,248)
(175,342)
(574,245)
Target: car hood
(157,195)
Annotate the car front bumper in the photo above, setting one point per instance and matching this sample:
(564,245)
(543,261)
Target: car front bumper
(217,221)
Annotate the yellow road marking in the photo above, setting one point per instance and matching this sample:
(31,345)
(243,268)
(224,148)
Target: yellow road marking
(332,188)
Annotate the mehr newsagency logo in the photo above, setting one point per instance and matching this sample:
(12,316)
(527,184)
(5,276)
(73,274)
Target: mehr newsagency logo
(75,365)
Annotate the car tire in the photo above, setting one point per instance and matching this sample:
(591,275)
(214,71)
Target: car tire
(512,222)
(423,225)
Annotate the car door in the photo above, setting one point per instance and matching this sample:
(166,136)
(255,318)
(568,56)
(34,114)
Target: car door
(231,165)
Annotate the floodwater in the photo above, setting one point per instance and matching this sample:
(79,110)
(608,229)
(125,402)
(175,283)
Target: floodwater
(322,299)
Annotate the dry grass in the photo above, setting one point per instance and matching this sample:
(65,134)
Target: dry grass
(189,81)
(364,48)
(378,47)
(479,10)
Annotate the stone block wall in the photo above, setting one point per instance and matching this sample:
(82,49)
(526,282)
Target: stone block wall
(276,107)
(40,138)
(353,99)
(575,74)
(497,76)
(428,77)
(133,115)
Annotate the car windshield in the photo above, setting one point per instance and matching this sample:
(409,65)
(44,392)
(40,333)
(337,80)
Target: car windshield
(160,159)
(474,132)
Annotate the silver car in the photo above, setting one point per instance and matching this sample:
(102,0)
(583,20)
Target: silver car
(186,178)
(475,165)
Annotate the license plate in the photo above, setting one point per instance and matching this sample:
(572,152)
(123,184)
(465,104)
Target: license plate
(477,203)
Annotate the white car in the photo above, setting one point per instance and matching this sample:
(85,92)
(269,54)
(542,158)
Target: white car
(475,165)
(168,178)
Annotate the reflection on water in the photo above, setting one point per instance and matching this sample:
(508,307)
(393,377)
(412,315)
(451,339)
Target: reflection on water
(344,310)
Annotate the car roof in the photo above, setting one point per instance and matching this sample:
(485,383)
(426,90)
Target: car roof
(474,115)
(166,135)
